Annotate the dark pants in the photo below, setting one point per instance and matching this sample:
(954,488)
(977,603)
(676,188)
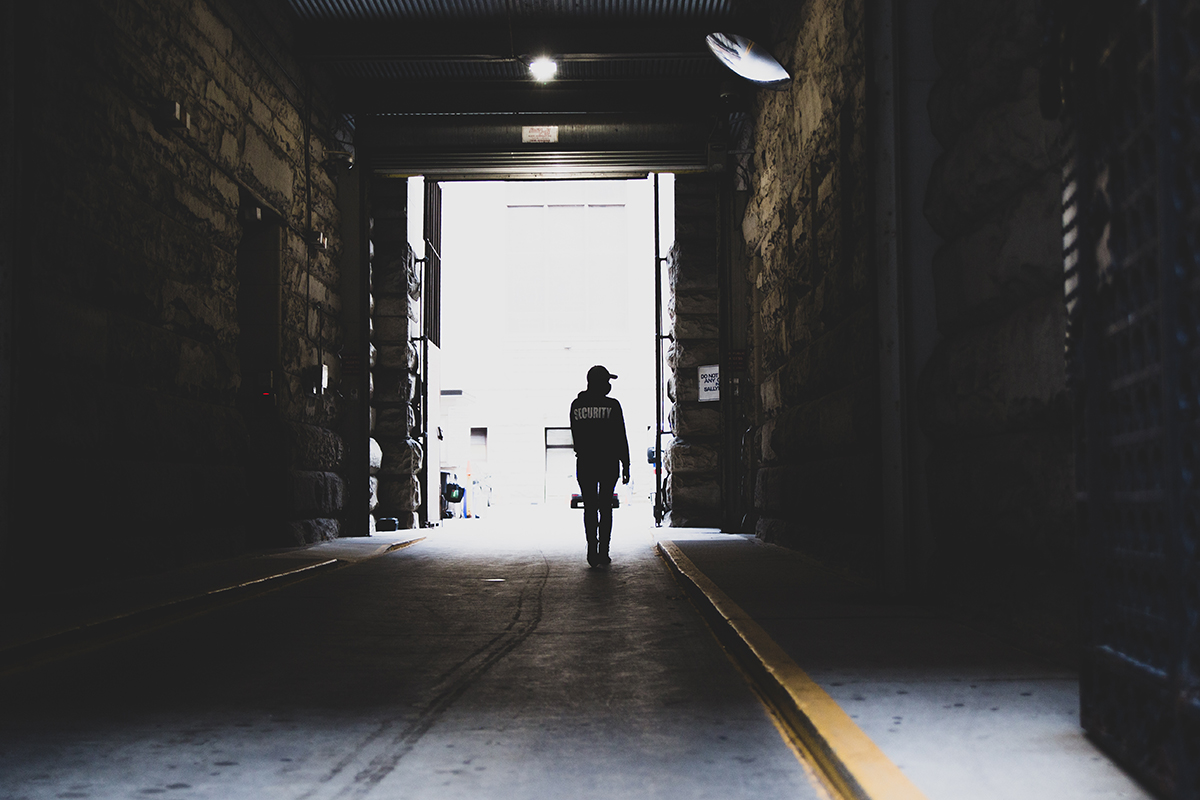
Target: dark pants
(596,483)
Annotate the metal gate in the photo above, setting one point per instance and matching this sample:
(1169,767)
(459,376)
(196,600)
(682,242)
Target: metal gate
(1131,208)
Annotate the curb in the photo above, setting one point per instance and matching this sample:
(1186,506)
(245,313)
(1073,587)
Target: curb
(848,759)
(96,633)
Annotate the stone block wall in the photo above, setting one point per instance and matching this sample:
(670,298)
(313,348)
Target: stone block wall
(396,308)
(692,461)
(993,398)
(814,359)
(139,446)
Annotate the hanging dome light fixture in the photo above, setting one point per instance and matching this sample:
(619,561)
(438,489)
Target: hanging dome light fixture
(747,59)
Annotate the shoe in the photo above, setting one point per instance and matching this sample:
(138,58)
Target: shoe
(593,559)
(603,560)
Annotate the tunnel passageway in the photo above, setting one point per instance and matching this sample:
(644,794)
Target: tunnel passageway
(486,661)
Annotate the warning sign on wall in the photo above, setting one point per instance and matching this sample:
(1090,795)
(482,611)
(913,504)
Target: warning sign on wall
(539,133)
(710,383)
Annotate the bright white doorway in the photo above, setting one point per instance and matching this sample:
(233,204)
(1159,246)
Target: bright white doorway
(540,281)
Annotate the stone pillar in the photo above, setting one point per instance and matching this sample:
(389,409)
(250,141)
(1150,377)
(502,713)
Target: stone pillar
(315,490)
(396,294)
(693,459)
(815,356)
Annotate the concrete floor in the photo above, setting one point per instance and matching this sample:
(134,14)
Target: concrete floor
(486,661)
(960,712)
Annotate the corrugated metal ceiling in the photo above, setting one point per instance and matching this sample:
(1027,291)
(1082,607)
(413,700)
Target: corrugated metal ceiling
(482,10)
(512,70)
(641,58)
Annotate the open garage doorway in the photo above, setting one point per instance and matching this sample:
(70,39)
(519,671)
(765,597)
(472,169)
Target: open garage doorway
(540,281)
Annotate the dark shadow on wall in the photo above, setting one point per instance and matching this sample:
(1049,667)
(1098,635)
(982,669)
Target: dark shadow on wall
(132,453)
(991,396)
(815,358)
(993,399)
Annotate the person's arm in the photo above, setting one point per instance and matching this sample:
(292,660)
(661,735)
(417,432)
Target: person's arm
(624,446)
(574,433)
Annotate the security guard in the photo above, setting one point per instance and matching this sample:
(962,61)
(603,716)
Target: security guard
(598,435)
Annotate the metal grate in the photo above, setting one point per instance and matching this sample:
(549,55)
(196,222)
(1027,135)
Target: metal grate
(1132,258)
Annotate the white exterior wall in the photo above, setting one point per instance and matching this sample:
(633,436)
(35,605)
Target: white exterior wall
(540,281)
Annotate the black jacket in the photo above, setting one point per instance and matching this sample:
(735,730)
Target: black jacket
(598,429)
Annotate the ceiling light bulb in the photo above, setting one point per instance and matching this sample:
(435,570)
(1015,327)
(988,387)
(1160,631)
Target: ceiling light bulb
(543,69)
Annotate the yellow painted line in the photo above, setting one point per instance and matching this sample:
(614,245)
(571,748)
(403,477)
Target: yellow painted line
(383,549)
(267,583)
(93,623)
(58,646)
(275,576)
(852,763)
(822,787)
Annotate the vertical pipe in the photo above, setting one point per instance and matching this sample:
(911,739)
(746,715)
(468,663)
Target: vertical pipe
(658,366)
(730,463)
(917,70)
(426,509)
(306,334)
(423,389)
(351,203)
(360,516)
(12,237)
(425,513)
(889,287)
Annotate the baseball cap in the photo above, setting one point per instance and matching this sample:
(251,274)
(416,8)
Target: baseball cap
(599,374)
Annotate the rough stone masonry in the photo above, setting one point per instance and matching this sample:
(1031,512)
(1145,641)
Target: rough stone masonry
(814,357)
(396,300)
(992,398)
(692,460)
(141,428)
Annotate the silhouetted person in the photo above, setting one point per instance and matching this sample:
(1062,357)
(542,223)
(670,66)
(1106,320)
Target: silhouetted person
(601,450)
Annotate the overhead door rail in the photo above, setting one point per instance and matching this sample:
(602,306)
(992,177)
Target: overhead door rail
(461,147)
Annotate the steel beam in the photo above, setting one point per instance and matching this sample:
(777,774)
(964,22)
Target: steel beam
(481,97)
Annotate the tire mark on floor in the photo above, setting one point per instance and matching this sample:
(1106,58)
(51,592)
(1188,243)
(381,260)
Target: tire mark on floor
(452,685)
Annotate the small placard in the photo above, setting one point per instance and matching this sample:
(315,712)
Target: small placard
(539,133)
(710,383)
(736,361)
